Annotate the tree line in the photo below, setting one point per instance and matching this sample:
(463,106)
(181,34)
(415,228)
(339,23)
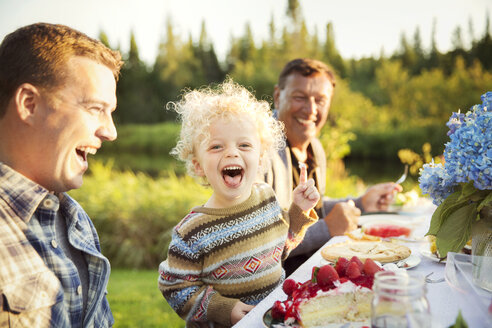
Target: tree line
(416,86)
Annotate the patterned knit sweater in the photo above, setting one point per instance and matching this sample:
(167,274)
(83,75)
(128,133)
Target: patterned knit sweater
(218,256)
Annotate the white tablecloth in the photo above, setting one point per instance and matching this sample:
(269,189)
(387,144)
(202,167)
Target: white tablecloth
(444,301)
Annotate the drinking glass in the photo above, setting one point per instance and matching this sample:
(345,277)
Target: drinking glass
(399,301)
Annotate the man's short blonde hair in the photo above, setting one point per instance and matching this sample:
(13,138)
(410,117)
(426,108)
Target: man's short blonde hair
(39,54)
(198,109)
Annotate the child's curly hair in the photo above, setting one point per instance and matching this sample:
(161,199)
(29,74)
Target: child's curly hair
(198,109)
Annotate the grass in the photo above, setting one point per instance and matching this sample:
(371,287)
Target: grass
(136,301)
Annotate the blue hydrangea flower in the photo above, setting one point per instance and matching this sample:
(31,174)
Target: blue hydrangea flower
(487,101)
(436,182)
(455,122)
(468,154)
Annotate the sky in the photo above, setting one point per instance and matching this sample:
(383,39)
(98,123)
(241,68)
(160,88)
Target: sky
(361,27)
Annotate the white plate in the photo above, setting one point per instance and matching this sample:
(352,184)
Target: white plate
(386,218)
(411,262)
(425,252)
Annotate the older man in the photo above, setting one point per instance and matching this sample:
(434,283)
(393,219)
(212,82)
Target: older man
(302,99)
(57,95)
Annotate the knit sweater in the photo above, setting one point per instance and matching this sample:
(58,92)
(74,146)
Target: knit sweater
(218,256)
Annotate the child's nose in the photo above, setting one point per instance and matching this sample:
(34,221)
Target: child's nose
(232,152)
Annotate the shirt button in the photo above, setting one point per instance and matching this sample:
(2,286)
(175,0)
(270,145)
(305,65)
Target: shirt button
(79,290)
(54,243)
(48,203)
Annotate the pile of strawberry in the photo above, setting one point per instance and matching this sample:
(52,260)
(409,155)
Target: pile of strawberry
(323,278)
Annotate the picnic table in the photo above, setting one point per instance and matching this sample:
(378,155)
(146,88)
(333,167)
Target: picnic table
(444,297)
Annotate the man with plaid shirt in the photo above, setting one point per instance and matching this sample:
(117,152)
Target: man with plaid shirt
(57,95)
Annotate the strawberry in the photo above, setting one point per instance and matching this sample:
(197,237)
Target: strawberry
(278,310)
(341,266)
(370,267)
(358,261)
(353,270)
(327,275)
(289,286)
(363,281)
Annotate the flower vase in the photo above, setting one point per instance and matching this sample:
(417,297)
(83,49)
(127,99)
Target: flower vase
(482,250)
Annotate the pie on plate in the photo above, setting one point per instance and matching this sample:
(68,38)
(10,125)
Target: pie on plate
(384,252)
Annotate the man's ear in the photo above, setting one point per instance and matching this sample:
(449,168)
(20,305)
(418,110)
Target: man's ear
(198,168)
(26,99)
(276,96)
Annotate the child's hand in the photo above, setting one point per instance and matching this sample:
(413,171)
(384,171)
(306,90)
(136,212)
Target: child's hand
(306,195)
(239,311)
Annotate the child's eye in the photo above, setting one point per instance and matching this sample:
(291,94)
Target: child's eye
(214,147)
(245,145)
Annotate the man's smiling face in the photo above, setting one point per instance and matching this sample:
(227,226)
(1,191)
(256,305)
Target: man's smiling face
(303,106)
(72,123)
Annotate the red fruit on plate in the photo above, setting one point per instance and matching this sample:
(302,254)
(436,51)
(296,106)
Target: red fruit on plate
(327,275)
(289,286)
(278,310)
(341,266)
(364,281)
(370,267)
(343,279)
(353,270)
(358,261)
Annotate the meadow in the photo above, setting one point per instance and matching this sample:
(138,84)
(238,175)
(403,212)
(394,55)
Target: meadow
(136,302)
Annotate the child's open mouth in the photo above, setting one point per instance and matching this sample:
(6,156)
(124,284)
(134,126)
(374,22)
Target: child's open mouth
(232,175)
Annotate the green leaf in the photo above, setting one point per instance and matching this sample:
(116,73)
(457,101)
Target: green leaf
(487,201)
(314,274)
(460,322)
(467,191)
(448,206)
(456,230)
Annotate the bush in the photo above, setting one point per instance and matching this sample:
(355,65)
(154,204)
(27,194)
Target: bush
(386,144)
(135,213)
(144,148)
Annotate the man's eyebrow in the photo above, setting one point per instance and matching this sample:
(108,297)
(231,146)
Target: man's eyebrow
(94,102)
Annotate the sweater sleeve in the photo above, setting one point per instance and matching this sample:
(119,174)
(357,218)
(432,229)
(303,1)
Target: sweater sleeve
(299,222)
(181,285)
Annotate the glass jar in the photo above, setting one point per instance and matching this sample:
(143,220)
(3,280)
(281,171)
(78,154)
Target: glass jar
(399,301)
(482,249)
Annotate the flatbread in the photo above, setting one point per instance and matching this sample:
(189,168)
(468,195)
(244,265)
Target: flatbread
(381,251)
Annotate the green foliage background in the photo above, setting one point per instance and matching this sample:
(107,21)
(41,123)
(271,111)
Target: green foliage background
(135,192)
(401,97)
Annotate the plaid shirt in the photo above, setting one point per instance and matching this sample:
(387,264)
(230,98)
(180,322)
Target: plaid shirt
(39,285)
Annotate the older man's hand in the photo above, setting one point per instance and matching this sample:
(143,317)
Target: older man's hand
(342,218)
(380,196)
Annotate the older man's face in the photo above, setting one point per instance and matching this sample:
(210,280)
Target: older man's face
(303,106)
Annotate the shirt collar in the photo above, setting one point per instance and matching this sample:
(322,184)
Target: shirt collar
(20,193)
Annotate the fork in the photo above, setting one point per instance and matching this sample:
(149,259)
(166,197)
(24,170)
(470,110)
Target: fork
(403,176)
(432,281)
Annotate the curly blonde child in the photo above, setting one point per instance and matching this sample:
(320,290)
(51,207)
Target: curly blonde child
(198,109)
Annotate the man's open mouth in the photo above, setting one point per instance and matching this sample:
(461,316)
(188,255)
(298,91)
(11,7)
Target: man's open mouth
(232,175)
(305,122)
(82,152)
